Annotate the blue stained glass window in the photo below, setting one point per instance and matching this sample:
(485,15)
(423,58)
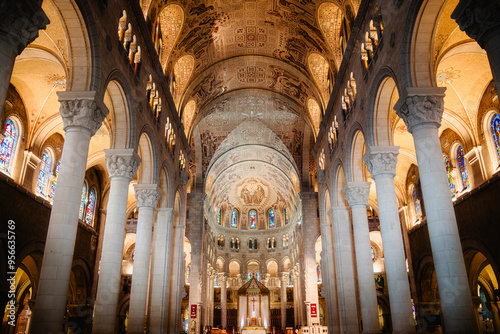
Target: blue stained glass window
(287,218)
(464,175)
(83,201)
(43,175)
(188,272)
(318,270)
(495,131)
(216,280)
(416,202)
(249,276)
(89,215)
(234,218)
(8,145)
(54,182)
(252,218)
(451,181)
(257,275)
(272,222)
(219,217)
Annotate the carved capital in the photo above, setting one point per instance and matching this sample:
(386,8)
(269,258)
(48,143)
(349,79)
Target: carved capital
(20,22)
(122,163)
(477,17)
(357,193)
(147,195)
(421,105)
(82,109)
(381,160)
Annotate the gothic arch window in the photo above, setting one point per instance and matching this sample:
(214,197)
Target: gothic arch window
(495,132)
(462,168)
(54,182)
(417,205)
(252,219)
(451,181)
(271,219)
(91,204)
(8,146)
(44,173)
(234,218)
(286,214)
(83,201)
(219,217)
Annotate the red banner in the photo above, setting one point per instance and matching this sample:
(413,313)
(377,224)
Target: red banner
(194,309)
(314,310)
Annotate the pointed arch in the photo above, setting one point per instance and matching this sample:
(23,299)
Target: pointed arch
(187,116)
(9,145)
(330,22)
(315,114)
(183,69)
(147,172)
(171,21)
(319,68)
(44,172)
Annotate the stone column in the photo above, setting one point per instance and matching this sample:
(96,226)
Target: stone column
(82,114)
(161,271)
(122,165)
(146,196)
(381,163)
(20,22)
(357,193)
(284,283)
(422,110)
(177,280)
(344,263)
(481,21)
(223,299)
(211,290)
(296,301)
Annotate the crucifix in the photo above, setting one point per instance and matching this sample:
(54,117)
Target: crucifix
(253,300)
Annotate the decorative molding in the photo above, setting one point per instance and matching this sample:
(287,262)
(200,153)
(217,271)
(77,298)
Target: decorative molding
(357,193)
(147,195)
(122,163)
(82,109)
(421,105)
(381,160)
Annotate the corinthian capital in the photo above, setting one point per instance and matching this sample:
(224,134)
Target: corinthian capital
(421,105)
(381,160)
(20,22)
(147,195)
(122,163)
(82,109)
(357,193)
(477,17)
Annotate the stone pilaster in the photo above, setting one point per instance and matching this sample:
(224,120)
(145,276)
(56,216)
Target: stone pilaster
(381,163)
(284,283)
(20,22)
(223,299)
(357,193)
(421,109)
(80,126)
(146,196)
(122,166)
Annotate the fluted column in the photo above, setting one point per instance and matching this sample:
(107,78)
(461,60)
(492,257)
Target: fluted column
(82,114)
(161,271)
(357,193)
(481,21)
(223,299)
(422,110)
(146,196)
(284,283)
(346,290)
(20,22)
(122,165)
(381,163)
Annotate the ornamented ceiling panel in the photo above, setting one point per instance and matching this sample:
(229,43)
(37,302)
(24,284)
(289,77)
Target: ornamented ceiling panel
(171,18)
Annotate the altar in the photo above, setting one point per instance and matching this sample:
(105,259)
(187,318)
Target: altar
(253,308)
(253,330)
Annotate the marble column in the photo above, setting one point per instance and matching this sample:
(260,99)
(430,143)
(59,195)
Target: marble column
(357,193)
(177,280)
(195,286)
(422,110)
(82,114)
(161,274)
(122,165)
(146,196)
(310,282)
(481,21)
(284,283)
(296,301)
(344,263)
(381,163)
(19,26)
(223,299)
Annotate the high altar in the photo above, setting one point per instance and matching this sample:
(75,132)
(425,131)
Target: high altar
(253,308)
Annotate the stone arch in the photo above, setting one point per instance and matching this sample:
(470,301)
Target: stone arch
(338,182)
(147,151)
(355,168)
(234,267)
(166,186)
(379,129)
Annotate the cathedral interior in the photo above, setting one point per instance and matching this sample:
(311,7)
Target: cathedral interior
(249,166)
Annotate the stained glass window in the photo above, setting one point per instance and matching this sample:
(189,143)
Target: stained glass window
(451,181)
(290,280)
(8,145)
(188,272)
(287,218)
(234,218)
(416,202)
(83,201)
(495,131)
(464,175)
(272,223)
(219,217)
(43,175)
(54,182)
(257,276)
(249,276)
(252,218)
(89,214)
(216,280)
